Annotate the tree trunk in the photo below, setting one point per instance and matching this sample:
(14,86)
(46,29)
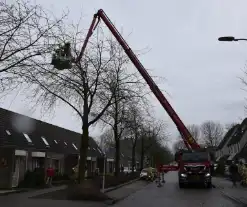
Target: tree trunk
(142,153)
(84,144)
(133,160)
(117,139)
(117,157)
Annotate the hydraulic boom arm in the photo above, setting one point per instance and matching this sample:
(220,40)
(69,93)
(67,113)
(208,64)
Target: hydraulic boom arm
(188,139)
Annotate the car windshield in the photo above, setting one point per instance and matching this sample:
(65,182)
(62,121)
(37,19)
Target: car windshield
(195,157)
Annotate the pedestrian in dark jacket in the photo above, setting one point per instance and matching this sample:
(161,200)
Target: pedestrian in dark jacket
(234,173)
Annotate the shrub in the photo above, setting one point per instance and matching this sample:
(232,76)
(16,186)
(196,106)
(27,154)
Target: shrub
(33,179)
(61,177)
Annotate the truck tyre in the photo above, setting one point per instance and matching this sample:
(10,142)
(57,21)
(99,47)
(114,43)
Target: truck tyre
(181,185)
(209,185)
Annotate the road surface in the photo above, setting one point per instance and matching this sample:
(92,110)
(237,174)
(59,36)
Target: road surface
(171,195)
(146,196)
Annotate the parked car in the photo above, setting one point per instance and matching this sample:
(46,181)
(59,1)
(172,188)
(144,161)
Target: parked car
(128,170)
(148,174)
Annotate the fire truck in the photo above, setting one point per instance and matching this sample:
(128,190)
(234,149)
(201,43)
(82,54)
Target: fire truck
(194,163)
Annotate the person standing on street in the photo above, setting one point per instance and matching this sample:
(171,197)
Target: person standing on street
(159,168)
(50,172)
(234,173)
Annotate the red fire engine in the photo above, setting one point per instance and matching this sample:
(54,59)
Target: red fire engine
(190,170)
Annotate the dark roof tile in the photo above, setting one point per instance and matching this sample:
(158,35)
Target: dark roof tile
(60,140)
(237,136)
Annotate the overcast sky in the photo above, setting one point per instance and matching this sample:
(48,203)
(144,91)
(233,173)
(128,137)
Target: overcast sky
(201,73)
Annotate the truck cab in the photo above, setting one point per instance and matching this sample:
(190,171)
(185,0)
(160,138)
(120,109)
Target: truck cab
(194,168)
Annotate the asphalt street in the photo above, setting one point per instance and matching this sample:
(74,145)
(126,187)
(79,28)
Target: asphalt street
(146,196)
(171,195)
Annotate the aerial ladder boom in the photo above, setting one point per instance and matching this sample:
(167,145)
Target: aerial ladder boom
(189,141)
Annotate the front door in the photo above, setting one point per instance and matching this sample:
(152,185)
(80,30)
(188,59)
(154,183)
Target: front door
(16,173)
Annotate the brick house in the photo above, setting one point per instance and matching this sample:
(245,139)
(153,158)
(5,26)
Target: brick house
(26,144)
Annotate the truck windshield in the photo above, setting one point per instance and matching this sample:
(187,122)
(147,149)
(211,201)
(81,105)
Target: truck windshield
(195,157)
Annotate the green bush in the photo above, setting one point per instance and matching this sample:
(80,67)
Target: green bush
(60,177)
(33,179)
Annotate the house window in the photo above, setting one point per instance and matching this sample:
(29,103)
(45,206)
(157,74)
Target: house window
(45,141)
(27,138)
(8,132)
(65,143)
(74,146)
(37,163)
(55,141)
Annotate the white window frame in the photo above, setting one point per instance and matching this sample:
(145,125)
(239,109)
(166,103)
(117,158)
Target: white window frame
(74,146)
(45,141)
(8,132)
(27,138)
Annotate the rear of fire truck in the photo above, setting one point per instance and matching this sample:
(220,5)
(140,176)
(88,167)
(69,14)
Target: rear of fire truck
(194,168)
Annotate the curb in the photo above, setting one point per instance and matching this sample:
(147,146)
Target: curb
(121,185)
(15,192)
(236,200)
(114,201)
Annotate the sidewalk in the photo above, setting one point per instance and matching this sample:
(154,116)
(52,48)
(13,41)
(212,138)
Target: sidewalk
(237,194)
(26,199)
(221,183)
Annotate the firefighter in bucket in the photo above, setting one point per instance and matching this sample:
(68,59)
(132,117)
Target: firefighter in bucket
(62,57)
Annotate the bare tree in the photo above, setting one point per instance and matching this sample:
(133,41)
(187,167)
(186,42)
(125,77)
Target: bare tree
(134,123)
(195,131)
(153,133)
(87,86)
(24,35)
(179,144)
(106,140)
(212,133)
(229,126)
(129,88)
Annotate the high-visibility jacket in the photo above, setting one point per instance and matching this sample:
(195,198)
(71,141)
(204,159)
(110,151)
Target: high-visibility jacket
(76,171)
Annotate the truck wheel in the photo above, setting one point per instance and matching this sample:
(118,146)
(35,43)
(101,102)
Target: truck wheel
(209,185)
(181,185)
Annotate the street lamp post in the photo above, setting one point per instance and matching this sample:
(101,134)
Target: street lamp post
(230,39)
(104,169)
